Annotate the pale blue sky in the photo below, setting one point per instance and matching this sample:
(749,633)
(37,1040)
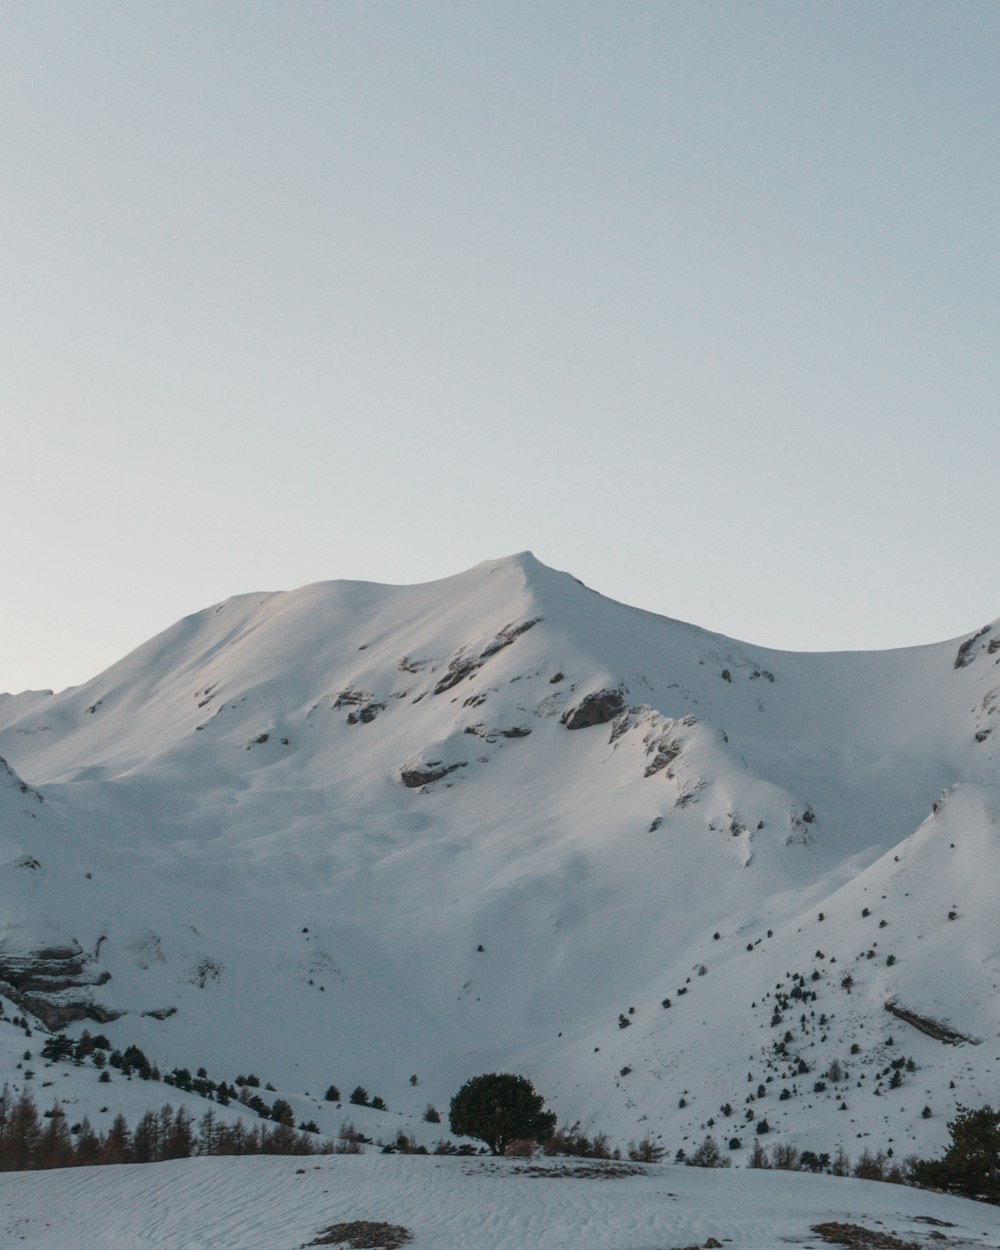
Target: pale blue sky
(696,300)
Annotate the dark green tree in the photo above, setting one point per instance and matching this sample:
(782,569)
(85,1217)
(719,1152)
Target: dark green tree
(498,1108)
(282,1111)
(971,1164)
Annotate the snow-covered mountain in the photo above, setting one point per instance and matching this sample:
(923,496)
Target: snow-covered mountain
(360,834)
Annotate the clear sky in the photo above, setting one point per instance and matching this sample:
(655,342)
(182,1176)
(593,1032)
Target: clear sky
(697,300)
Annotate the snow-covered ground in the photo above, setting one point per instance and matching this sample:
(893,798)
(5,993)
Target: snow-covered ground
(363,835)
(452,1204)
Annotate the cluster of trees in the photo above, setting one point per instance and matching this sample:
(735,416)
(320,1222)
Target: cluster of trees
(970,1167)
(361,1098)
(507,1114)
(503,1110)
(132,1061)
(29,1140)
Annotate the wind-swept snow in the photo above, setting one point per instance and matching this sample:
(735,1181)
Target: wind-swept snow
(451,1204)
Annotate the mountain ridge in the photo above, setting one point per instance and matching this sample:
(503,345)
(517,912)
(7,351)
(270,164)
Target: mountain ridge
(499,819)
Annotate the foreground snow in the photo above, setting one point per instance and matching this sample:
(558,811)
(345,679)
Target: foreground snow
(453,1204)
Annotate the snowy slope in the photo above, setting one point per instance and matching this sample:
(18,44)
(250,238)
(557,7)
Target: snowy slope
(451,1204)
(287,825)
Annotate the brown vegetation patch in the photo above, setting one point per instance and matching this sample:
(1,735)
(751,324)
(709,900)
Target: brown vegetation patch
(591,1171)
(859,1238)
(363,1235)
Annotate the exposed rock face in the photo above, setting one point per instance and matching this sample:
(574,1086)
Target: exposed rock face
(462,665)
(365,715)
(665,750)
(491,735)
(353,698)
(596,708)
(459,668)
(53,983)
(507,635)
(431,771)
(969,650)
(8,773)
(937,1029)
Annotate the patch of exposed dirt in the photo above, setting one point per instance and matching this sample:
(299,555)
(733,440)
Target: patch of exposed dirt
(591,1171)
(363,1235)
(857,1237)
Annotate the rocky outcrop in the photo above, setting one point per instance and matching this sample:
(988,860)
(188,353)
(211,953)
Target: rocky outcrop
(664,751)
(937,1029)
(352,698)
(54,984)
(507,635)
(491,735)
(969,650)
(596,708)
(459,668)
(7,773)
(415,777)
(365,715)
(463,665)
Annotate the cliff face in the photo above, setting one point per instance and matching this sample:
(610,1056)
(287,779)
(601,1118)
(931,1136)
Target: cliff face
(54,983)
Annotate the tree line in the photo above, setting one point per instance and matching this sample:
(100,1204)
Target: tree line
(31,1141)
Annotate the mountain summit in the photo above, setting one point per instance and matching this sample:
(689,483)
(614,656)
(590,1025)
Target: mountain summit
(500,822)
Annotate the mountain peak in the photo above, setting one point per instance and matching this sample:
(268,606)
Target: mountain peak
(487,819)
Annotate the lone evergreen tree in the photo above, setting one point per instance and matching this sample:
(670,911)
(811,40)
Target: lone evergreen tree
(498,1108)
